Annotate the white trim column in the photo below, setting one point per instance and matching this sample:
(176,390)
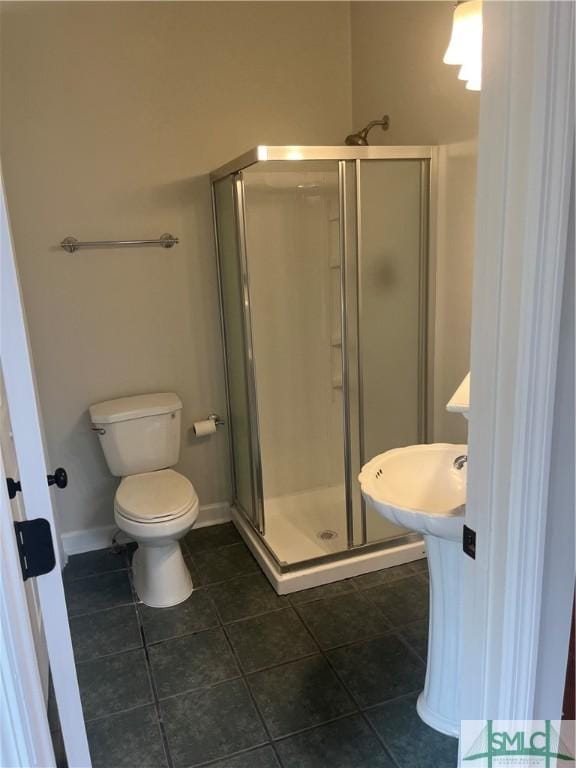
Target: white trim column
(525,165)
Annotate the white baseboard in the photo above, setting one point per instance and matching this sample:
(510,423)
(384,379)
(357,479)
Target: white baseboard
(76,542)
(214,514)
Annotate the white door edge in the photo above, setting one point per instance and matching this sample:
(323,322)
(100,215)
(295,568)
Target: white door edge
(28,443)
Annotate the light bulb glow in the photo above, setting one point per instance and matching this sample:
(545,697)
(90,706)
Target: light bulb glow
(470,70)
(465,47)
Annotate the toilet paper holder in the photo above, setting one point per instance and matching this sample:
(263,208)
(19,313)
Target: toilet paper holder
(207,426)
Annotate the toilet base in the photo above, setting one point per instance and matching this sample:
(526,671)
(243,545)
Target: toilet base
(161,578)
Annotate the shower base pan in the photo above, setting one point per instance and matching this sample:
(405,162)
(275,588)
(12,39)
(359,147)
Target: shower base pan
(306,525)
(311,559)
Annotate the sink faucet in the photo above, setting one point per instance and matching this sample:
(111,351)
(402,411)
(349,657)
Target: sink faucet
(459,461)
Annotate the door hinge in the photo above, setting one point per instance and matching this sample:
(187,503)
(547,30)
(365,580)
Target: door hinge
(469,542)
(35,547)
(13,486)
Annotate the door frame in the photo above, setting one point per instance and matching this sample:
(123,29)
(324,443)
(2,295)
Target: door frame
(523,205)
(26,422)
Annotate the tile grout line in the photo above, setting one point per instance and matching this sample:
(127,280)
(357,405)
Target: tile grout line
(280,664)
(156,701)
(412,650)
(310,728)
(422,657)
(360,709)
(199,689)
(386,582)
(345,688)
(390,630)
(73,579)
(118,712)
(250,693)
(241,752)
(350,581)
(99,610)
(241,676)
(359,705)
(380,738)
(247,618)
(391,701)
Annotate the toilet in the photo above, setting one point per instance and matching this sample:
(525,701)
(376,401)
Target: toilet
(154,505)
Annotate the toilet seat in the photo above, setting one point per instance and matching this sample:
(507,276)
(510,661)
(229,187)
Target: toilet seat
(155,497)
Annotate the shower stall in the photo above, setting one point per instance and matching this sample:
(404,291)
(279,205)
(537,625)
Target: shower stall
(326,306)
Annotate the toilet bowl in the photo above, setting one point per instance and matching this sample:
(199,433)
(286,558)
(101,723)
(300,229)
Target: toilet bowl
(154,505)
(157,509)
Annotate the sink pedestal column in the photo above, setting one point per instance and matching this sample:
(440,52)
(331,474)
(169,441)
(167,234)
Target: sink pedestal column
(438,704)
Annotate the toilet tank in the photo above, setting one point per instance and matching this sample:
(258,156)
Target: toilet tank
(140,433)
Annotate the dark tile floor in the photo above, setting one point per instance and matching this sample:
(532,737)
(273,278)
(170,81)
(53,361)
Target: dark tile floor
(238,677)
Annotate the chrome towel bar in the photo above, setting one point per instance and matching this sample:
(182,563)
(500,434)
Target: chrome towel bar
(71,244)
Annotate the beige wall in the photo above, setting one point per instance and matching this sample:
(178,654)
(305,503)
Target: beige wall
(112,114)
(397,69)
(454,240)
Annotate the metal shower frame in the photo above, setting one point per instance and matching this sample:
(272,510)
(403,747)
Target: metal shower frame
(349,169)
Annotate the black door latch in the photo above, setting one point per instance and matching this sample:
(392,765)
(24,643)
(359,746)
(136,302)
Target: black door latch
(59,479)
(469,542)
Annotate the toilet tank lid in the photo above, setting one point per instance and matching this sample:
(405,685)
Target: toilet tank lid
(135,407)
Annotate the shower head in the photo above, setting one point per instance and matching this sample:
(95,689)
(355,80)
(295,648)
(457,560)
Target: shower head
(360,138)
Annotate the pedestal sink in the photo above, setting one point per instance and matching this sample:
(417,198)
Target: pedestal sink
(420,488)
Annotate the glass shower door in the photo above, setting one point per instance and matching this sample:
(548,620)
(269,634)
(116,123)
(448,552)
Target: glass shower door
(234,327)
(293,254)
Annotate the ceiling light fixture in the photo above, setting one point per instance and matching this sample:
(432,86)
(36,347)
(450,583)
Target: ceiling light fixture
(465,47)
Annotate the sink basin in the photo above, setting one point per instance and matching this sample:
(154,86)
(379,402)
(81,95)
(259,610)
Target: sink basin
(419,488)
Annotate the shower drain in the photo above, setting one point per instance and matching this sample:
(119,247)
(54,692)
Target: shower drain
(327,534)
